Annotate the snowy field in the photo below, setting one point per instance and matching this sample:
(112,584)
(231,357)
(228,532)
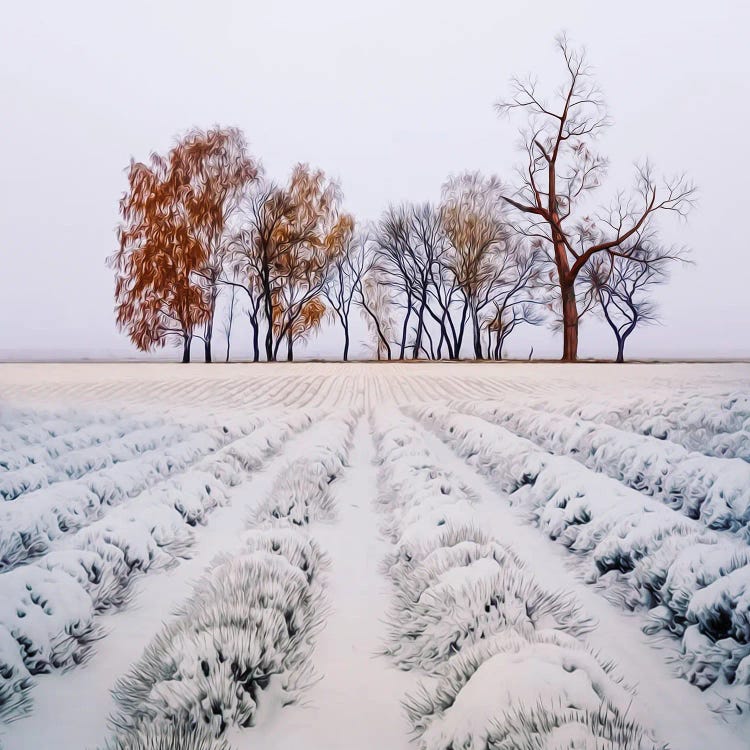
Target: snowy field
(358,557)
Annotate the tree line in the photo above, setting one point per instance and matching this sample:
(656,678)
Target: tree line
(437,280)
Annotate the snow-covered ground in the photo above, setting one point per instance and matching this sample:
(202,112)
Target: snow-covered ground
(437,556)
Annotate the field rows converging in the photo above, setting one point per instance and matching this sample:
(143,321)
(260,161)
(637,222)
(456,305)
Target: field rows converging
(639,552)
(369,556)
(79,572)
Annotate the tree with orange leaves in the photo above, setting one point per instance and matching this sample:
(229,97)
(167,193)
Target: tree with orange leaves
(173,237)
(284,251)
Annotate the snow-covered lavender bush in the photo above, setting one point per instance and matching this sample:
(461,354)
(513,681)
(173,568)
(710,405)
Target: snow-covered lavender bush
(454,586)
(521,686)
(15,678)
(167,735)
(713,425)
(251,619)
(301,491)
(466,604)
(76,463)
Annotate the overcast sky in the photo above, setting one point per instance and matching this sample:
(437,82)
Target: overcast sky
(389,97)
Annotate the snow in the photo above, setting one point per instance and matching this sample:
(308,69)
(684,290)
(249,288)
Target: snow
(223,558)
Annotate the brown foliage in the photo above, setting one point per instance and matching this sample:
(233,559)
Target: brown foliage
(285,251)
(174,214)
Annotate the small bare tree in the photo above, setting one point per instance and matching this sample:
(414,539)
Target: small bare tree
(491,268)
(560,172)
(344,285)
(373,297)
(621,285)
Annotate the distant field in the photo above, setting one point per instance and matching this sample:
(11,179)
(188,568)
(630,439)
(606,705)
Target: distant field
(363,556)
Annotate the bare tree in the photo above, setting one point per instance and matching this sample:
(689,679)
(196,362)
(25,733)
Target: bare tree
(560,172)
(345,281)
(282,252)
(373,297)
(409,245)
(622,283)
(511,294)
(489,266)
(505,321)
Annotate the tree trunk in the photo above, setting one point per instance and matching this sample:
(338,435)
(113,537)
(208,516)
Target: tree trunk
(346,343)
(570,322)
(461,330)
(268,308)
(477,334)
(405,328)
(256,343)
(620,349)
(187,339)
(289,346)
(230,323)
(209,331)
(420,328)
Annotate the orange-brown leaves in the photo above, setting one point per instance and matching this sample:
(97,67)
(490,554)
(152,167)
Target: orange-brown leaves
(473,219)
(174,213)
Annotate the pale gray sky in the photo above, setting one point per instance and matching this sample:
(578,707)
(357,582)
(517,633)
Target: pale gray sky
(389,97)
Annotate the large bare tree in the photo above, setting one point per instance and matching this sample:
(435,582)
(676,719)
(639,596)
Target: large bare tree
(560,172)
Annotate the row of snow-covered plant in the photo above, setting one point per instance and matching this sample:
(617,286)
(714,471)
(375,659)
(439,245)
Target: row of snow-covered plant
(714,490)
(642,553)
(715,425)
(245,634)
(505,662)
(71,551)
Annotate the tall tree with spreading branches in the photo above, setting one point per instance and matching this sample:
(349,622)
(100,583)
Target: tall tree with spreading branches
(560,172)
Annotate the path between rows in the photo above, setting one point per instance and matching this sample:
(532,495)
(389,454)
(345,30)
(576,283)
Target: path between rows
(356,704)
(676,710)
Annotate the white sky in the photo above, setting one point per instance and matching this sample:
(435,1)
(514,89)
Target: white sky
(389,97)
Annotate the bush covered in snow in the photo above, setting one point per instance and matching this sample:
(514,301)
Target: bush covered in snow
(248,629)
(250,619)
(76,463)
(15,679)
(534,688)
(301,492)
(166,735)
(30,524)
